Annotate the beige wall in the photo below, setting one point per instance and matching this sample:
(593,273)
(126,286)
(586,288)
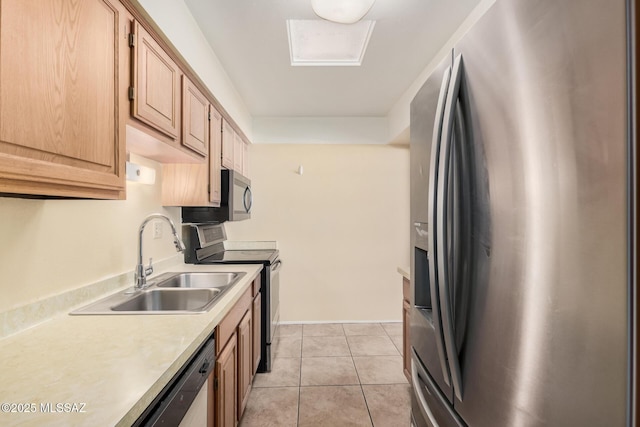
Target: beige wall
(51,246)
(342,227)
(320,130)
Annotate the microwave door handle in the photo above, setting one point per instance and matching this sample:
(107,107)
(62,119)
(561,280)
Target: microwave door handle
(247,191)
(250,198)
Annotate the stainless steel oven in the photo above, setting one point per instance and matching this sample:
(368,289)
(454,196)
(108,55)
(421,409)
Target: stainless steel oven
(207,244)
(274,278)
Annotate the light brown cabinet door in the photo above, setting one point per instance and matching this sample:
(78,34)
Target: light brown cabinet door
(226,406)
(238,154)
(185,184)
(245,160)
(196,184)
(257,324)
(245,360)
(406,344)
(156,83)
(228,141)
(195,118)
(63,87)
(215,160)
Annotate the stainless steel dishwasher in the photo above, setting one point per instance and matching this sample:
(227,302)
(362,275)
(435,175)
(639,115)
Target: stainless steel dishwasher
(173,403)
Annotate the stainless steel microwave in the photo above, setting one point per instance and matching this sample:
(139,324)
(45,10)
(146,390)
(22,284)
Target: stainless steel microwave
(235,205)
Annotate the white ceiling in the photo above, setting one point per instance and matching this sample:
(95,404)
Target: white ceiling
(250,39)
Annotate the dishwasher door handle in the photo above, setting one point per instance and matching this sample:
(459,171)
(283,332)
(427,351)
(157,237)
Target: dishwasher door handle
(205,367)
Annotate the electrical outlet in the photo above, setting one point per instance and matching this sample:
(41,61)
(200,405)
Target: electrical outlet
(157,230)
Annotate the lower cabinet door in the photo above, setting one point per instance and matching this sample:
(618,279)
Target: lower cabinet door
(406,344)
(245,360)
(257,337)
(226,405)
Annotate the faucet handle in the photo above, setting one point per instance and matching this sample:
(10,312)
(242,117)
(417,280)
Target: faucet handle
(149,269)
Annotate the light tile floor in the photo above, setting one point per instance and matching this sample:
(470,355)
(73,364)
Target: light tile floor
(333,375)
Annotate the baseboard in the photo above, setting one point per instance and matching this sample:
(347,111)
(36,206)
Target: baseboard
(318,322)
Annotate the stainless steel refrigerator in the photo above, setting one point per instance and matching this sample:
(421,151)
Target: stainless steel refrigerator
(521,206)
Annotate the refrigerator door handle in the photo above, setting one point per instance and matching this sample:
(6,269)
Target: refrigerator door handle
(433,225)
(443,192)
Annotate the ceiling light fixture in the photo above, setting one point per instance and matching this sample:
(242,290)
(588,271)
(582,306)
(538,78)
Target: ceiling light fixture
(342,11)
(317,42)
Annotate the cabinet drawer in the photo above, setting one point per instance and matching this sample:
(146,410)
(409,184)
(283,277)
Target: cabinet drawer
(227,327)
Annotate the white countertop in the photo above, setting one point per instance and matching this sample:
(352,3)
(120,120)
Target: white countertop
(405,272)
(111,366)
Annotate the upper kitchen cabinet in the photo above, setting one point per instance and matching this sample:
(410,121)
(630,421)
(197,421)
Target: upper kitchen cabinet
(63,98)
(195,118)
(215,157)
(156,84)
(228,142)
(235,154)
(245,159)
(238,153)
(241,156)
(196,184)
(169,114)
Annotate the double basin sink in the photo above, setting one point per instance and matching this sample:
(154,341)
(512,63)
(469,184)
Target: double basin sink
(169,293)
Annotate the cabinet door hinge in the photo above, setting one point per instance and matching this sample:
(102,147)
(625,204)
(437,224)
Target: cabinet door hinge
(215,383)
(132,40)
(132,93)
(209,115)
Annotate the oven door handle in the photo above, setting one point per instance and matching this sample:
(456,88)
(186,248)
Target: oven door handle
(276,266)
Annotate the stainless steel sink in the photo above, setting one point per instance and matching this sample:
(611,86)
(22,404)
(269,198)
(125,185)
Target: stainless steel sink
(170,300)
(169,293)
(197,280)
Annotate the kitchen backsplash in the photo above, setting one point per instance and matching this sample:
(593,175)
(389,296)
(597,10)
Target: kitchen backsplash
(50,247)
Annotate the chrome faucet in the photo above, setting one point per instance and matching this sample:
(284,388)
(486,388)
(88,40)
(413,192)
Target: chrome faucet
(141,272)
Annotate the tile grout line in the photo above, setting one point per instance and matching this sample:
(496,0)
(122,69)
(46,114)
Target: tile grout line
(359,380)
(390,338)
(352,357)
(299,385)
(366,404)
(364,396)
